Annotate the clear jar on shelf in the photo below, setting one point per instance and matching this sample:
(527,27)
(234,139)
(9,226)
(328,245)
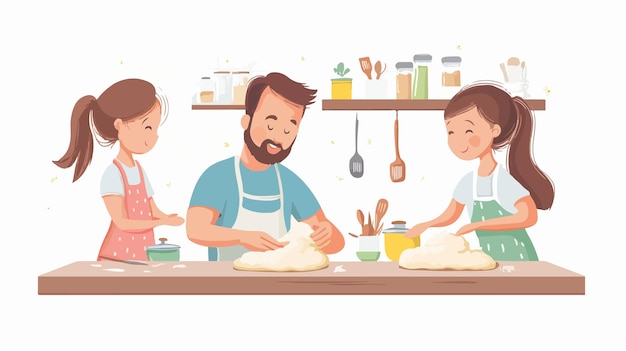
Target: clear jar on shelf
(403,80)
(451,74)
(420,77)
(240,85)
(206,93)
(224,87)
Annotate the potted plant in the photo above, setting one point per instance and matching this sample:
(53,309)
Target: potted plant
(341,88)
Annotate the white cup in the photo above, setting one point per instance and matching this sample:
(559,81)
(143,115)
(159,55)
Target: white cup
(376,89)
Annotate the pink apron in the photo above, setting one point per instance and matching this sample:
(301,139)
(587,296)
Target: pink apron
(129,245)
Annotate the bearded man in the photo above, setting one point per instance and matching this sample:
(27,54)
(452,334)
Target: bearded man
(246,203)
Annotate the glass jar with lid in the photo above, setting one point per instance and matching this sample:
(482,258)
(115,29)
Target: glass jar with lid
(420,77)
(240,85)
(206,93)
(403,80)
(451,74)
(224,87)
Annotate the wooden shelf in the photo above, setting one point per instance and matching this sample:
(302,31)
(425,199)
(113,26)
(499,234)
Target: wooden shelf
(373,105)
(394,104)
(217,107)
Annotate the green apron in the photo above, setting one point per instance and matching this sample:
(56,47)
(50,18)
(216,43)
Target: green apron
(510,245)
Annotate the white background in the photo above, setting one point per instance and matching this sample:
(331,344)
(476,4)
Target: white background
(55,52)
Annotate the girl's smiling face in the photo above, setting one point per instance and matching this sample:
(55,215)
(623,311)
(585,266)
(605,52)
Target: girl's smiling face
(470,136)
(139,135)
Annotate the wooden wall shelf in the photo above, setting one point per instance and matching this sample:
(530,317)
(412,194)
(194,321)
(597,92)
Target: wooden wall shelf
(374,105)
(217,107)
(394,104)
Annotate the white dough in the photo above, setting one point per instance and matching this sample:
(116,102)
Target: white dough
(446,251)
(299,255)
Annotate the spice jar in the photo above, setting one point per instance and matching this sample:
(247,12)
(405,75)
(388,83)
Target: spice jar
(206,94)
(403,80)
(420,77)
(224,87)
(240,84)
(451,74)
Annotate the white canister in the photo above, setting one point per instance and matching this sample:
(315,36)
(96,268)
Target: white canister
(224,87)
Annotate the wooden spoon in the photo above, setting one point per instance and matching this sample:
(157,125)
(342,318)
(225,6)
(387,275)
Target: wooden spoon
(381,209)
(361,218)
(513,61)
(378,69)
(503,69)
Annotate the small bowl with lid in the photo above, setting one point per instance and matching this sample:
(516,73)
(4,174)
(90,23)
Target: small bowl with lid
(396,243)
(163,251)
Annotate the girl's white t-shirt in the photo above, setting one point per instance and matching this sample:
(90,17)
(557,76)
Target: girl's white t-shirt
(112,182)
(509,190)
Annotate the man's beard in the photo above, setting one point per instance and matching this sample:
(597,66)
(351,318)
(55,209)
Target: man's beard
(260,152)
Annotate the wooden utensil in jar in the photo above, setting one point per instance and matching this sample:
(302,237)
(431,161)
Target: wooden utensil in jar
(378,69)
(381,209)
(366,66)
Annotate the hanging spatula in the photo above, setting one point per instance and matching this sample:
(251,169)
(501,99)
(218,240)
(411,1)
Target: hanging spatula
(397,167)
(356,162)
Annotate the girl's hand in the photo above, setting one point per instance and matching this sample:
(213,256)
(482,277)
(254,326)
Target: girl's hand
(417,230)
(466,229)
(173,220)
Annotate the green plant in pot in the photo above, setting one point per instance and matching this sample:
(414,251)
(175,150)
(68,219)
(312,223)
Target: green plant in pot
(341,88)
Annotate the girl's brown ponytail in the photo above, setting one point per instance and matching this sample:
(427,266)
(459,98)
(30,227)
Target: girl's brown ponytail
(520,158)
(80,149)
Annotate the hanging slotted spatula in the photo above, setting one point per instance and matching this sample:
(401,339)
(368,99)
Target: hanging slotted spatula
(356,162)
(397,167)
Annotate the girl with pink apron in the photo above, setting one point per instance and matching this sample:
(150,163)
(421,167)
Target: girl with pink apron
(120,244)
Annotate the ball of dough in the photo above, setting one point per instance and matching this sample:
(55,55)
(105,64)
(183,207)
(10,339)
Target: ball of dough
(446,251)
(299,255)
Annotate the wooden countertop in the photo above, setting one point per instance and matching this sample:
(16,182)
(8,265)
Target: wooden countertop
(359,278)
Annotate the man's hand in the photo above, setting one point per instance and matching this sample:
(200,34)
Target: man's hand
(260,241)
(322,233)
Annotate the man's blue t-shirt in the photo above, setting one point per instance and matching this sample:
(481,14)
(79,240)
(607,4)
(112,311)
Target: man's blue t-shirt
(217,188)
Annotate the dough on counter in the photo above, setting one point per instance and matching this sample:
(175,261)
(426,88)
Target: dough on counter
(301,254)
(446,251)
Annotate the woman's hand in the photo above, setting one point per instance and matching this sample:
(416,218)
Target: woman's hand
(416,230)
(470,227)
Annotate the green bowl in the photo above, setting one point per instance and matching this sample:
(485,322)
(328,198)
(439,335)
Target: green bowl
(368,255)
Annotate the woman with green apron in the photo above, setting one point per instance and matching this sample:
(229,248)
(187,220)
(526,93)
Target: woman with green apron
(480,119)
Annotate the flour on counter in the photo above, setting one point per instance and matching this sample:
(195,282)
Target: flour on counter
(114,269)
(179,266)
(146,271)
(507,269)
(157,265)
(96,265)
(339,269)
